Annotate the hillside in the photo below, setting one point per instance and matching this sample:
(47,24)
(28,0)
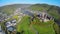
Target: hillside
(54,11)
(27,26)
(9,9)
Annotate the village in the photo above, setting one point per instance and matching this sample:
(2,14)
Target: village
(11,25)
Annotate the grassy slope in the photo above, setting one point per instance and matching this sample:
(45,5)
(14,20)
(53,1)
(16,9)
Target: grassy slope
(56,28)
(42,28)
(24,25)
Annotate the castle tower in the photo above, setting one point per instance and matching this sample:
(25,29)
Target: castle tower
(44,14)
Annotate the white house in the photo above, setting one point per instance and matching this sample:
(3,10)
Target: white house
(10,23)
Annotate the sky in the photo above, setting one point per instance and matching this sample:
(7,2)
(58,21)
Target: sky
(8,2)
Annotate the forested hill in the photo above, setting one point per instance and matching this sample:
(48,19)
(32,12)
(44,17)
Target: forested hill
(9,9)
(51,9)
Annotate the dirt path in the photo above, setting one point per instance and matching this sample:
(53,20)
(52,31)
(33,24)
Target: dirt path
(34,29)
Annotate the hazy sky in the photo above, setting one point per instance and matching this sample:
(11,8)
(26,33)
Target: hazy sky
(51,2)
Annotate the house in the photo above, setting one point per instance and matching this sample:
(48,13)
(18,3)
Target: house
(11,28)
(10,25)
(13,22)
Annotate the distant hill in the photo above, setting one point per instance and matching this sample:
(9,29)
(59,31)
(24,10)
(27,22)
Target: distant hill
(51,9)
(9,9)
